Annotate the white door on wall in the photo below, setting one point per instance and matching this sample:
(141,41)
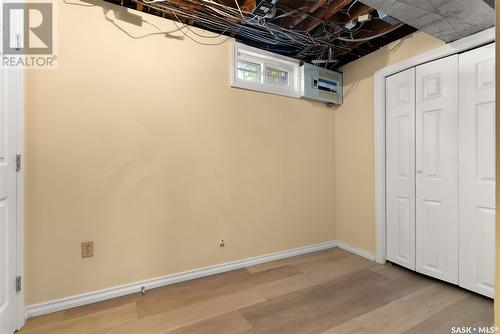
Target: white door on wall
(400,164)
(8,200)
(437,169)
(477,170)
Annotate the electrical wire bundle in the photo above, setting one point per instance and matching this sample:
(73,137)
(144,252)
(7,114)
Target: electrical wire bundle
(323,42)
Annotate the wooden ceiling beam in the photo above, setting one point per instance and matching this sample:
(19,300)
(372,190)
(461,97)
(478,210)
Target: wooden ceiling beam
(335,7)
(358,10)
(380,28)
(342,18)
(309,11)
(247,5)
(317,5)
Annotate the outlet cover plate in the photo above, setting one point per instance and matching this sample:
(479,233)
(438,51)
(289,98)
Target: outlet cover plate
(87,249)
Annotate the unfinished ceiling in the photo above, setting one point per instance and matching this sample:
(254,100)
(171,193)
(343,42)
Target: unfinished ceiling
(329,33)
(447,20)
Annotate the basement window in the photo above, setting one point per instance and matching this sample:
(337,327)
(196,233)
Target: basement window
(264,71)
(249,71)
(276,77)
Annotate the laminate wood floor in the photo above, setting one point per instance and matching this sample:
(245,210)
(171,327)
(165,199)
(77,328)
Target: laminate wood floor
(331,291)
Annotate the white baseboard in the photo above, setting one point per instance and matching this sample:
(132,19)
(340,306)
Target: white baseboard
(355,250)
(96,296)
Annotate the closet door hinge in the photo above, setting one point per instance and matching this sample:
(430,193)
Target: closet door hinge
(18,163)
(18,284)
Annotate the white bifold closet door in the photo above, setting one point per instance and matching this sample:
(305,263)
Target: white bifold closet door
(477,170)
(436,191)
(400,168)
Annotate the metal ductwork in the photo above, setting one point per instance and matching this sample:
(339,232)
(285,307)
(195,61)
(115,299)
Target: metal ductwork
(447,20)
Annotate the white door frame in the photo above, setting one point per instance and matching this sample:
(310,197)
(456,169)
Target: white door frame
(484,37)
(19,89)
(14,91)
(14,78)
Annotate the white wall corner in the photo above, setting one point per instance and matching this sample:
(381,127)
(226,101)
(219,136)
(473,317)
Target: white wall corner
(356,250)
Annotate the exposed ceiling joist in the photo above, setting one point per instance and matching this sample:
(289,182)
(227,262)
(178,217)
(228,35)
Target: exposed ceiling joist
(380,28)
(326,14)
(320,31)
(311,9)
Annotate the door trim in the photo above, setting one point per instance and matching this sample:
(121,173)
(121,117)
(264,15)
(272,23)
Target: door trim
(481,38)
(19,74)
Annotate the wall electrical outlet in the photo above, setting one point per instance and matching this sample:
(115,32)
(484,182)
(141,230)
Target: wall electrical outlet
(87,249)
(221,244)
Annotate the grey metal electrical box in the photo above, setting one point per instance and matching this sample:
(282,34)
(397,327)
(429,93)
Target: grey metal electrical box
(320,84)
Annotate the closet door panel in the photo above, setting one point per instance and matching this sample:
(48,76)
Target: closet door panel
(437,169)
(477,170)
(400,164)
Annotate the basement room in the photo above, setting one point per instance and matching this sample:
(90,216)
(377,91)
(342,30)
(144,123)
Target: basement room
(249,167)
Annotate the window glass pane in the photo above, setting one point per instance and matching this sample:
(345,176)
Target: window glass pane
(277,77)
(249,71)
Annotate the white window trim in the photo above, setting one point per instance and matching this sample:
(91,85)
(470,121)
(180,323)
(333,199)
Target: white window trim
(279,62)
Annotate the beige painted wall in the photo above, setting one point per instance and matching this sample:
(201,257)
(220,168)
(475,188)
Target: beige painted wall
(142,146)
(354,140)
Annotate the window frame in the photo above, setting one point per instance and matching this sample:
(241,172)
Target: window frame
(247,53)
